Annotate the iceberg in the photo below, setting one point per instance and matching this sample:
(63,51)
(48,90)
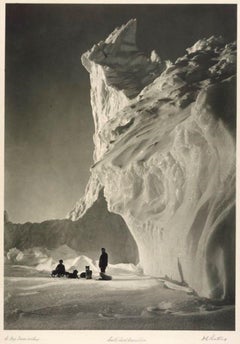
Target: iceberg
(165,155)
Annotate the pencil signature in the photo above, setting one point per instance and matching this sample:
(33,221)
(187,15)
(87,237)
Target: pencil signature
(21,338)
(214,338)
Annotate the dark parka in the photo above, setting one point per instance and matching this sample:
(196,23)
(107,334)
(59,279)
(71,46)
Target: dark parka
(103,261)
(60,269)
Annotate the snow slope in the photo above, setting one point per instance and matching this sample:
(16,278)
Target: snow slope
(165,155)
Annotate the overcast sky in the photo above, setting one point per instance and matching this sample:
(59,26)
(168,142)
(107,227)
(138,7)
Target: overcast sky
(48,122)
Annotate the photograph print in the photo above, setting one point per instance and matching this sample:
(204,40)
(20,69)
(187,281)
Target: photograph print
(120,167)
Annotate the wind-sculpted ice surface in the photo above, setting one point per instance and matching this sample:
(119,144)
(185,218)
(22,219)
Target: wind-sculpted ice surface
(118,72)
(165,155)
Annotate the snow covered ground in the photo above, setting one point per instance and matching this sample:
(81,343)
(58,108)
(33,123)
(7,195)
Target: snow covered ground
(35,301)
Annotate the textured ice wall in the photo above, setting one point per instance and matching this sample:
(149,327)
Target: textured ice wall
(118,72)
(165,154)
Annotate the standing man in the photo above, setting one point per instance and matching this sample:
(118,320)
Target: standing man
(103,260)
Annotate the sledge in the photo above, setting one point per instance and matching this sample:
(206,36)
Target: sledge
(104,277)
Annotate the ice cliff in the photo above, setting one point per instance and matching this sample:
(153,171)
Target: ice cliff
(165,155)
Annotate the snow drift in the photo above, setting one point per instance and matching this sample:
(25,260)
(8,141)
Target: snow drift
(165,155)
(39,259)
